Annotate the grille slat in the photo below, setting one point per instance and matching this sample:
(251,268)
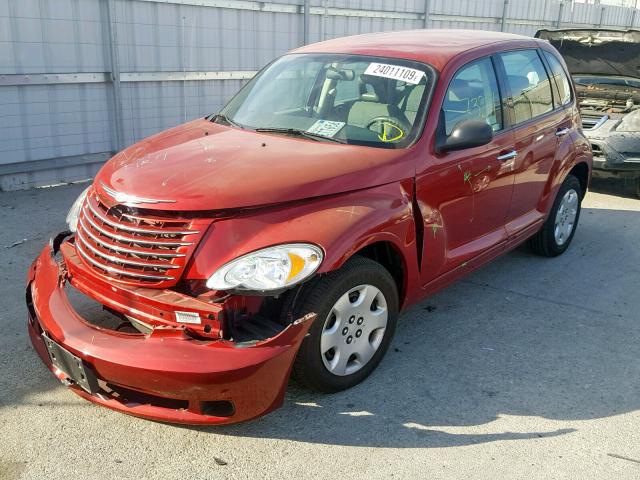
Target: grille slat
(148,252)
(119,271)
(123,260)
(147,231)
(131,239)
(123,244)
(590,122)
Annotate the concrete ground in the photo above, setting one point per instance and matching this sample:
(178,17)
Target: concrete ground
(529,368)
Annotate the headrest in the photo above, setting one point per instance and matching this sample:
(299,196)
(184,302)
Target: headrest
(464,88)
(459,86)
(381,89)
(369,97)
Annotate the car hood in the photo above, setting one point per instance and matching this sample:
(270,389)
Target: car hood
(205,166)
(597,51)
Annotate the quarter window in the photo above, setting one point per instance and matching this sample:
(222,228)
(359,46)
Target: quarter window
(473,95)
(529,86)
(560,77)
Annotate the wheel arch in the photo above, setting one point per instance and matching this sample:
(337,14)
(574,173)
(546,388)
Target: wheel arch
(581,172)
(391,258)
(386,249)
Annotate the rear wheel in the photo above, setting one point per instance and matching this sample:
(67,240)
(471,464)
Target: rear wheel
(357,310)
(557,232)
(637,188)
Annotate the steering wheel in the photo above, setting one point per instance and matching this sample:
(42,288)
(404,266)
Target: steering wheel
(389,129)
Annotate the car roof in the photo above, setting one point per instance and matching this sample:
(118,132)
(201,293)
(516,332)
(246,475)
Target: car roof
(433,46)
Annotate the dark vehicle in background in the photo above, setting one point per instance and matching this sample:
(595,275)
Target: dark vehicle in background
(605,66)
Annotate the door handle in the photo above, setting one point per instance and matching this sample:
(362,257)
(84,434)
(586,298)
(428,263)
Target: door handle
(507,156)
(562,131)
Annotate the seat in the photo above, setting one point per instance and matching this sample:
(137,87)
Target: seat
(375,101)
(412,102)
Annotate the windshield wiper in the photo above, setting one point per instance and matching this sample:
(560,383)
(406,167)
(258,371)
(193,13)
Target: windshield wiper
(221,116)
(300,133)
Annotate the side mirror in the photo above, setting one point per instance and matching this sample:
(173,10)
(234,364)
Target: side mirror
(466,134)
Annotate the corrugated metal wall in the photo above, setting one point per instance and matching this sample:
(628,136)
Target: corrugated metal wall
(80,79)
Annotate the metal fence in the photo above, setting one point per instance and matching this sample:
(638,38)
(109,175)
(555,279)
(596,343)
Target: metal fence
(81,79)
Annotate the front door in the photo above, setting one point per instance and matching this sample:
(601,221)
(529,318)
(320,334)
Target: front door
(464,196)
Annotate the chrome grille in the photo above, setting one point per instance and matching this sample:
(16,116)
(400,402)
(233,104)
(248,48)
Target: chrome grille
(134,248)
(590,122)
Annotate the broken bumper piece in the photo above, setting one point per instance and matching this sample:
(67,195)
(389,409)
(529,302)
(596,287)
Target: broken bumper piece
(166,375)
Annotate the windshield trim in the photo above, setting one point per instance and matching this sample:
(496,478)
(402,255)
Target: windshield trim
(420,121)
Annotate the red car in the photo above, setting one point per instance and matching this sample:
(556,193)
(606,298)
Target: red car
(346,181)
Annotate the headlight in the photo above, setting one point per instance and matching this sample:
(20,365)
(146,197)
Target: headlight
(271,268)
(74,211)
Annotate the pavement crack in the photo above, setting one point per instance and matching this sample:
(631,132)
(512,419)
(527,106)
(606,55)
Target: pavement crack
(537,297)
(622,457)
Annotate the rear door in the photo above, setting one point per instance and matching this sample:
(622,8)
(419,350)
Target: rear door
(538,126)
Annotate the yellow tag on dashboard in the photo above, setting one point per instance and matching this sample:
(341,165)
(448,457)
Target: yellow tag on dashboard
(390,132)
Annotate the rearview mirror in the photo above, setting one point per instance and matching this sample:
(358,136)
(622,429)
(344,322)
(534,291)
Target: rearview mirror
(340,74)
(466,134)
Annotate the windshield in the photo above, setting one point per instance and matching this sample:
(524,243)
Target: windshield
(355,99)
(606,80)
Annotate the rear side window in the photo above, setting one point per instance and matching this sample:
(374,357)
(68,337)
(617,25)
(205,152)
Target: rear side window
(529,86)
(560,77)
(473,95)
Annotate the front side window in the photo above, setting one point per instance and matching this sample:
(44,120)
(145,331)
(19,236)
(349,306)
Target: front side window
(354,99)
(560,78)
(473,95)
(529,86)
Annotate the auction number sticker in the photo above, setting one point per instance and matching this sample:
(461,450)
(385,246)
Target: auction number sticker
(409,75)
(326,128)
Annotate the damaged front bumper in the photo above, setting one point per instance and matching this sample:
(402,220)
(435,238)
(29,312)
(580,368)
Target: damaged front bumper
(165,375)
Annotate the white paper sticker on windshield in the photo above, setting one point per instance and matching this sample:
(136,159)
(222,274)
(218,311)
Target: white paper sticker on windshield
(404,74)
(325,128)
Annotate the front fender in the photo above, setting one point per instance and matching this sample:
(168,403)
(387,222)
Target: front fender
(340,224)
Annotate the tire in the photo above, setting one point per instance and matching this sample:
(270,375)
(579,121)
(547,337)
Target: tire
(637,188)
(547,242)
(325,296)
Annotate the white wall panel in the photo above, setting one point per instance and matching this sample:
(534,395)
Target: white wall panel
(63,124)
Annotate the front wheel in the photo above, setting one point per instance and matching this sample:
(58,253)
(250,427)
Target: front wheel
(357,310)
(556,234)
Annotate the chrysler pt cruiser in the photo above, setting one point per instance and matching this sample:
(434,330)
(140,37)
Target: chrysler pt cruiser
(283,235)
